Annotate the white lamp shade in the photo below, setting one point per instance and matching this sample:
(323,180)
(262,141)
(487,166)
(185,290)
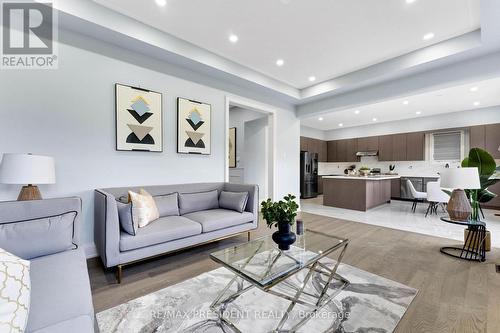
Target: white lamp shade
(461,178)
(27,169)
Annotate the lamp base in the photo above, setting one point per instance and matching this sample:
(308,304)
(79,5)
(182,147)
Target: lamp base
(459,207)
(29,192)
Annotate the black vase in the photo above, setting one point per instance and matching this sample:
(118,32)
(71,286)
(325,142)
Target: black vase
(284,237)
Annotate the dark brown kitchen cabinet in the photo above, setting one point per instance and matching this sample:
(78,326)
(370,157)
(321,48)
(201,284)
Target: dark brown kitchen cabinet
(304,143)
(341,150)
(477,135)
(396,188)
(323,153)
(332,151)
(320,185)
(415,146)
(385,148)
(492,139)
(352,149)
(399,147)
(367,144)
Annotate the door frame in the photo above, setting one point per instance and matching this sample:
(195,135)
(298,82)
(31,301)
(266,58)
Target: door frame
(249,104)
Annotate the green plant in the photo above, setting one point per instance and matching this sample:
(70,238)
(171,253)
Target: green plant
(282,211)
(488,175)
(364,168)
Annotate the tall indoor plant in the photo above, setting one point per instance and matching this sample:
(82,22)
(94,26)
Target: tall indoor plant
(281,214)
(487,168)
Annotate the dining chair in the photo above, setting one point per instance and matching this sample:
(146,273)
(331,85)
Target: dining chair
(436,197)
(417,195)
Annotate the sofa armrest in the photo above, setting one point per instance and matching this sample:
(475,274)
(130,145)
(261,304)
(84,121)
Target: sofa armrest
(37,228)
(253,197)
(106,228)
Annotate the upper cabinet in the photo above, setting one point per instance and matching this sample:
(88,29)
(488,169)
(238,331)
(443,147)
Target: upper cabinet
(492,140)
(342,150)
(486,137)
(385,148)
(368,144)
(332,151)
(415,146)
(314,146)
(399,147)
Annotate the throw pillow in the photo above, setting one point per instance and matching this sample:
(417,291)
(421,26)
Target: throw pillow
(14,292)
(168,204)
(195,202)
(144,208)
(125,216)
(233,200)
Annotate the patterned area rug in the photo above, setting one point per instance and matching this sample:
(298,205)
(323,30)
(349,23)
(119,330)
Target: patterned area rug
(369,304)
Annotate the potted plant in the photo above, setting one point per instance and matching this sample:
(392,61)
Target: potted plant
(488,176)
(281,214)
(364,170)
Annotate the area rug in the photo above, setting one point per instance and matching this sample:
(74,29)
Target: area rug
(370,303)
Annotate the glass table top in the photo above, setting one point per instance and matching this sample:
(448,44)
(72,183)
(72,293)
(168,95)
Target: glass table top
(263,264)
(470,223)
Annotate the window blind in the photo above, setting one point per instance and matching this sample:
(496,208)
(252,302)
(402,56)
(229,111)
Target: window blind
(447,146)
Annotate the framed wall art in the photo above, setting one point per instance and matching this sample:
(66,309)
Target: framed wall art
(139,119)
(232,147)
(193,127)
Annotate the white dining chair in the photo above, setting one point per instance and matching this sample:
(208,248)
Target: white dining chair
(436,197)
(417,195)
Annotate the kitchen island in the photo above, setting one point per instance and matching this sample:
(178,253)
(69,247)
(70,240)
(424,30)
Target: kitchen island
(357,192)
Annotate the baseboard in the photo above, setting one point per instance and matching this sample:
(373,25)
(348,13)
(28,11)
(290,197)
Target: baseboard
(90,250)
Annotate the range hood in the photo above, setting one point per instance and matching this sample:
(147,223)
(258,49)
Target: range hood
(367,153)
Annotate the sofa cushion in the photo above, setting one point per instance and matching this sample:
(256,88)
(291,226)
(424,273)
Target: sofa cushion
(194,202)
(163,230)
(39,237)
(144,208)
(233,200)
(216,219)
(125,216)
(60,290)
(168,205)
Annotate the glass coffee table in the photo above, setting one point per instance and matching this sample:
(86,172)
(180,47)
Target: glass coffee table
(262,265)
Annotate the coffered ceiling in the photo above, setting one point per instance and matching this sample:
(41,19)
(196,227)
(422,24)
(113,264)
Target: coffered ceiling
(319,39)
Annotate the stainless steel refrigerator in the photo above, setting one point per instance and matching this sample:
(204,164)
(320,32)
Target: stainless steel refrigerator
(308,175)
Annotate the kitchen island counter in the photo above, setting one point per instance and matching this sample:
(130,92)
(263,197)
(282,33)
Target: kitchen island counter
(357,193)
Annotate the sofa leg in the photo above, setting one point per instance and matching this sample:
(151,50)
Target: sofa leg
(119,272)
(249,236)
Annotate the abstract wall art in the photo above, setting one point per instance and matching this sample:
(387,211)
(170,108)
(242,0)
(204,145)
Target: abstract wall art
(139,119)
(232,147)
(193,127)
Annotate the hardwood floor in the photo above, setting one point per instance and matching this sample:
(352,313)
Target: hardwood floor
(454,295)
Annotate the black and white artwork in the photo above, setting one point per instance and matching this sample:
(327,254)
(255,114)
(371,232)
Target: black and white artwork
(193,127)
(139,119)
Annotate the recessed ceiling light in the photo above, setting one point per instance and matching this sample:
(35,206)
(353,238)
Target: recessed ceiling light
(161,3)
(340,125)
(320,118)
(233,38)
(428,36)
(312,78)
(280,62)
(406,102)
(410,1)
(477,103)
(356,112)
(474,89)
(418,112)
(374,119)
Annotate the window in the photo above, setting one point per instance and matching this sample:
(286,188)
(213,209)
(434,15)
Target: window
(447,146)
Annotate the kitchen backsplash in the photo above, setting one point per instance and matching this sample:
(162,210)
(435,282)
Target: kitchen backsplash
(406,168)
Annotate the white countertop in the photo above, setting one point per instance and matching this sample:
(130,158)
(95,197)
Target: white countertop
(381,177)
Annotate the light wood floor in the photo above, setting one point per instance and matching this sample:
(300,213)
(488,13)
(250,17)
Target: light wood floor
(454,295)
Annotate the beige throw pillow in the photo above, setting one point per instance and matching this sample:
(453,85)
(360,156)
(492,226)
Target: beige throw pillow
(144,208)
(14,292)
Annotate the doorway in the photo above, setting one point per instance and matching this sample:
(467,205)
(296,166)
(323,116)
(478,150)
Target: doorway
(250,140)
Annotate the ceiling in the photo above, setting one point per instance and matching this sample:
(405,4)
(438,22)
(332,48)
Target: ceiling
(458,98)
(320,38)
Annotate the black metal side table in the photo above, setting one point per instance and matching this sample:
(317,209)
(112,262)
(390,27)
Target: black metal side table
(474,248)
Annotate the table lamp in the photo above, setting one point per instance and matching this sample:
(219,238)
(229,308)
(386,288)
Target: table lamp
(27,169)
(458,179)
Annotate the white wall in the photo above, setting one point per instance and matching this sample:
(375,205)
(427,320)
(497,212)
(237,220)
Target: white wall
(256,156)
(447,120)
(237,118)
(69,114)
(310,132)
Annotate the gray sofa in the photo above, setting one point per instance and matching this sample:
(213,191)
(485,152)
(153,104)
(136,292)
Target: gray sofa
(45,232)
(117,248)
